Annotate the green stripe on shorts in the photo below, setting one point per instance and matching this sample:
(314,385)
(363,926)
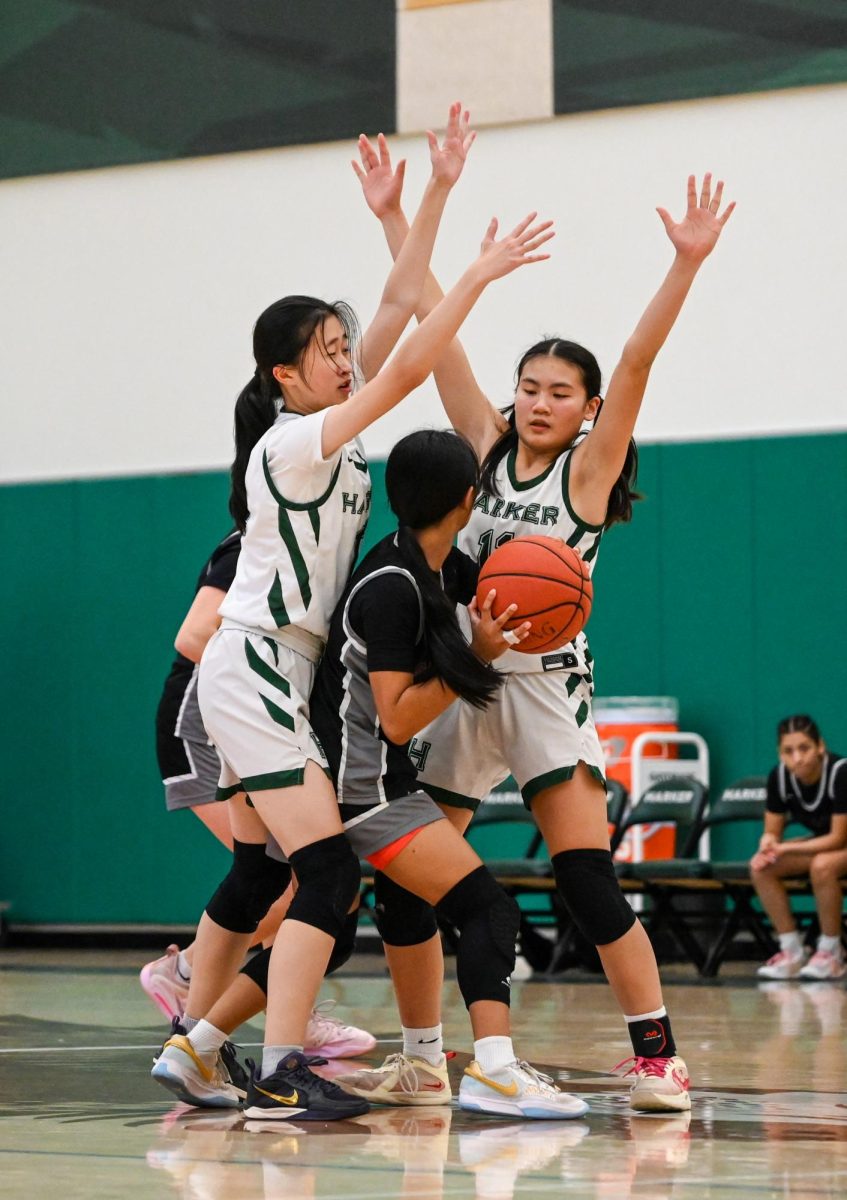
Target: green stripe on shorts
(449,799)
(267,673)
(273,779)
(277,714)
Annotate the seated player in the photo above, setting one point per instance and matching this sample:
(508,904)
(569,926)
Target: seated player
(809,786)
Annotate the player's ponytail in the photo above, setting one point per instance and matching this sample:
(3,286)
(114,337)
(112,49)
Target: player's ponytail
(427,475)
(623,492)
(255,412)
(281,337)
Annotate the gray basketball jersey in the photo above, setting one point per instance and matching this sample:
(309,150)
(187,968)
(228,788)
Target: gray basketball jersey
(524,509)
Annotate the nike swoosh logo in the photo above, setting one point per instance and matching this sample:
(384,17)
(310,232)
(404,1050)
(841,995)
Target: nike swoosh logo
(434,1087)
(292,1099)
(504,1090)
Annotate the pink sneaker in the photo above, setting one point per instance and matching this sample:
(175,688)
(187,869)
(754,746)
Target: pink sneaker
(164,985)
(661,1084)
(329,1038)
(823,965)
(782,965)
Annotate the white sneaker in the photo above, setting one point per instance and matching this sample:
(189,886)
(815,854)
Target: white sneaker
(400,1080)
(824,965)
(661,1084)
(782,965)
(196,1079)
(517,1090)
(164,985)
(327,1037)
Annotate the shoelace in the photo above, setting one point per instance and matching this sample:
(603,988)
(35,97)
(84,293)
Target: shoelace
(537,1076)
(647,1066)
(324,1025)
(407,1075)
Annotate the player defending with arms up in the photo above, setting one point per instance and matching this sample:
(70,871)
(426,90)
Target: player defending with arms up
(542,475)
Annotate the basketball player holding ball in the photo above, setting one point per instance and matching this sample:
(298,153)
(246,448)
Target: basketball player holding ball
(542,475)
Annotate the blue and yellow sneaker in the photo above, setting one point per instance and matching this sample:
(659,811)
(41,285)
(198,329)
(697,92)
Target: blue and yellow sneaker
(295,1091)
(517,1090)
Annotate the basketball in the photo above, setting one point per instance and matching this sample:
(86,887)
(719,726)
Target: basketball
(550,584)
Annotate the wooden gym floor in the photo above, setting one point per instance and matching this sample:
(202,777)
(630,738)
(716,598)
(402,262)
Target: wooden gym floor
(79,1113)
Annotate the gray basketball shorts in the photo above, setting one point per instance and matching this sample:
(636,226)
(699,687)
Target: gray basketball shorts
(537,728)
(196,771)
(375,827)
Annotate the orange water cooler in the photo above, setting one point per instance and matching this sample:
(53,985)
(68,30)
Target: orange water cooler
(619,721)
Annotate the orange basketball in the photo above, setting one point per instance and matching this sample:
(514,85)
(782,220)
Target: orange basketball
(550,584)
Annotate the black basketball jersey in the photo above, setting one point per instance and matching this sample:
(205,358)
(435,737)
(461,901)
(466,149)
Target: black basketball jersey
(812,805)
(378,625)
(178,713)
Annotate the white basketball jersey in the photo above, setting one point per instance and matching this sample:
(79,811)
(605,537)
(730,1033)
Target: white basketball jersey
(538,506)
(307,517)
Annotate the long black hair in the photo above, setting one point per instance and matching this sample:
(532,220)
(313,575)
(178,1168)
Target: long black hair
(623,491)
(427,475)
(802,723)
(280,337)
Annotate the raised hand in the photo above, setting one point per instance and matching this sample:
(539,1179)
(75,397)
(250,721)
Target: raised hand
(697,233)
(516,249)
(448,159)
(382,185)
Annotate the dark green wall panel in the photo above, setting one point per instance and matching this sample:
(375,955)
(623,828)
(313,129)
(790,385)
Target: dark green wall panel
(93,83)
(612,53)
(727,591)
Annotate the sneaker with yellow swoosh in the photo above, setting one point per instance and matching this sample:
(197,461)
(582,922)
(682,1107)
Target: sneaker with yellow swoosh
(517,1090)
(293,1090)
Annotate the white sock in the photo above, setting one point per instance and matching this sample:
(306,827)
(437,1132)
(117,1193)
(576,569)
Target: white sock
(272,1056)
(426,1043)
(493,1053)
(791,943)
(650,1016)
(206,1039)
(189,1023)
(831,944)
(183,966)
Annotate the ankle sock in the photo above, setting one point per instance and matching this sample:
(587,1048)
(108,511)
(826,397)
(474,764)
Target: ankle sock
(650,1034)
(206,1039)
(791,943)
(189,1023)
(493,1053)
(832,945)
(426,1043)
(272,1056)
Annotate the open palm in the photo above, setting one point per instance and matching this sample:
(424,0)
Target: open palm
(381,183)
(448,159)
(696,235)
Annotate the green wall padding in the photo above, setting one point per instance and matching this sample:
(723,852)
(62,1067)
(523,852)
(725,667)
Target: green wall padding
(727,591)
(613,53)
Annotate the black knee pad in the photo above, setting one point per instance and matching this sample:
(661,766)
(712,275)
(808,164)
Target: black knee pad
(256,968)
(344,943)
(328,878)
(254,882)
(488,921)
(402,918)
(589,887)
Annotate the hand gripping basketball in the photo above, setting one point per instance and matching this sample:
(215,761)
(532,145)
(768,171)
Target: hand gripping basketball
(549,583)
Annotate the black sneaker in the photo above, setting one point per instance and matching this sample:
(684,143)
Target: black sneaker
(238,1077)
(295,1091)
